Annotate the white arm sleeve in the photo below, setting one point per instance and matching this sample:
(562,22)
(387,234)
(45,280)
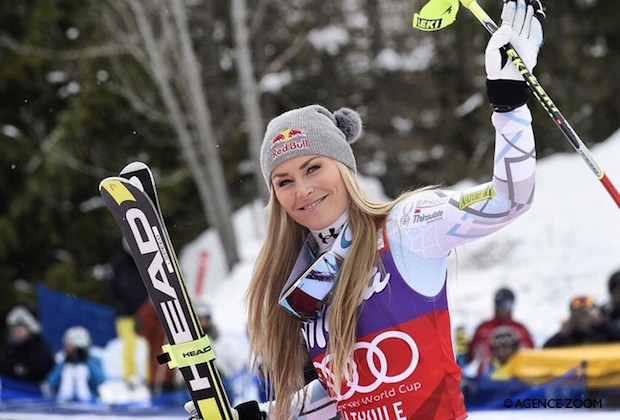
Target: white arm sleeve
(433,222)
(317,405)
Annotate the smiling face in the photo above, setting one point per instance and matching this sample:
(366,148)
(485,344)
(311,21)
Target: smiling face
(311,190)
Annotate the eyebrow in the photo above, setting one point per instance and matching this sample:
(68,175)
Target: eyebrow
(303,166)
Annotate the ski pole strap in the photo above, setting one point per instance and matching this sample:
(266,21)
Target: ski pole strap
(187,354)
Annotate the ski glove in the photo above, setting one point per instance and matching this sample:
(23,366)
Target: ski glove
(244,411)
(523,26)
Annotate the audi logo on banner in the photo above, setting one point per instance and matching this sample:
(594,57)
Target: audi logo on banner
(378,364)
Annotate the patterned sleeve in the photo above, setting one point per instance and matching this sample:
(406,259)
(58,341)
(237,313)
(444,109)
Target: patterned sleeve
(433,222)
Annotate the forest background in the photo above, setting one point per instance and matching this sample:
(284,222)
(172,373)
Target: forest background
(188,87)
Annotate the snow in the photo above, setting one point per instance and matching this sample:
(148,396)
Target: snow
(472,103)
(416,60)
(11,131)
(328,39)
(274,82)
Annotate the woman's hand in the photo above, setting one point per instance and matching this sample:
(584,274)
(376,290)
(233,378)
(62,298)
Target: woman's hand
(523,23)
(244,411)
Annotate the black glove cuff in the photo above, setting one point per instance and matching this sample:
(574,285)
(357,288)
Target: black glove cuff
(250,411)
(506,95)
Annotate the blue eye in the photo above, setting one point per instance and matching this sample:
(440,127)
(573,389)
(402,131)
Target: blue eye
(284,183)
(313,168)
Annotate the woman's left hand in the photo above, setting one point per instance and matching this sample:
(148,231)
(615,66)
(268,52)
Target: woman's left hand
(523,26)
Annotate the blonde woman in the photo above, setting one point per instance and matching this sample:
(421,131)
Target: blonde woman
(372,308)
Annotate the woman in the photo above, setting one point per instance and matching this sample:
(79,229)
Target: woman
(380,340)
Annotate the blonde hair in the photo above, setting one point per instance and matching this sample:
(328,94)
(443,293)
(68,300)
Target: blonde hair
(276,341)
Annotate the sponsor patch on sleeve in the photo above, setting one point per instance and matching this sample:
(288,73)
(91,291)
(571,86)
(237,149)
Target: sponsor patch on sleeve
(475,196)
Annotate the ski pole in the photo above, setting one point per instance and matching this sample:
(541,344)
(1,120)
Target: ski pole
(438,14)
(546,102)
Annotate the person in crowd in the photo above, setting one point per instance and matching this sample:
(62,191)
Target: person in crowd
(228,356)
(480,349)
(384,324)
(26,356)
(159,378)
(231,359)
(586,325)
(504,344)
(205,317)
(611,310)
(128,294)
(77,374)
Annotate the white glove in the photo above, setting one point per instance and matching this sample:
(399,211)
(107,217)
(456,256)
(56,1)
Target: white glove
(523,23)
(249,410)
(191,409)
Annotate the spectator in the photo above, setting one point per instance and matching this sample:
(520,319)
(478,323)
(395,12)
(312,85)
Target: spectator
(26,356)
(480,350)
(611,310)
(77,374)
(128,294)
(205,316)
(228,357)
(160,378)
(586,325)
(231,358)
(504,344)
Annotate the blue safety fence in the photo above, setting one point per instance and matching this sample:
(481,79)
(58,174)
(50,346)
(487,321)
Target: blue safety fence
(11,390)
(18,396)
(59,311)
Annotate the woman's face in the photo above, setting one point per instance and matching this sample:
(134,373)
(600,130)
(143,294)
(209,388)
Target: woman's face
(311,190)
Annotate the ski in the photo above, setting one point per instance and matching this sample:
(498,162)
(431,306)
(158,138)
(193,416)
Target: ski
(141,175)
(189,349)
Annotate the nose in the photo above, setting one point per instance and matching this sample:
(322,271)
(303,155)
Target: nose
(304,189)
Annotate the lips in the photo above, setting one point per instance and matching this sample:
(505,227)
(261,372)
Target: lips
(313,204)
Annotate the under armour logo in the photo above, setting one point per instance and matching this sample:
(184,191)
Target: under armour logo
(333,233)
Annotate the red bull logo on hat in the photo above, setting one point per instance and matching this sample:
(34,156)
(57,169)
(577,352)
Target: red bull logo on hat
(287,141)
(286,135)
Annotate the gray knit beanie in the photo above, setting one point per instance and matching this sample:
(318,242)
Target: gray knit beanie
(311,130)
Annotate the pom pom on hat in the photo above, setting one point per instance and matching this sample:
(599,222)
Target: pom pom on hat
(350,123)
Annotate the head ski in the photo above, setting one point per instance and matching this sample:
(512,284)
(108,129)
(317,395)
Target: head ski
(135,208)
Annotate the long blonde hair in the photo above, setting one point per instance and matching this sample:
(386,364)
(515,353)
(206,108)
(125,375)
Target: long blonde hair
(276,341)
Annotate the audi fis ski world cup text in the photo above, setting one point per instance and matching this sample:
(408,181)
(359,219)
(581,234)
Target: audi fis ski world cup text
(370,404)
